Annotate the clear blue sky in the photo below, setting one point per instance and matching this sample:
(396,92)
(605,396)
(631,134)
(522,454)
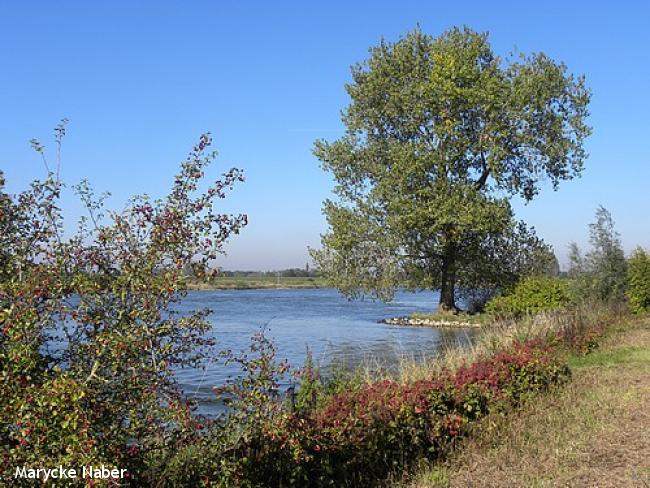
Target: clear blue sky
(140,81)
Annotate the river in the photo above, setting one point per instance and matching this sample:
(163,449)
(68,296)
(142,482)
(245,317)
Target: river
(337,331)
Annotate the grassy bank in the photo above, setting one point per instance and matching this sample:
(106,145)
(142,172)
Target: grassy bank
(255,282)
(356,433)
(591,432)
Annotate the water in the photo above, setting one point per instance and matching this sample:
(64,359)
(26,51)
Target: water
(337,331)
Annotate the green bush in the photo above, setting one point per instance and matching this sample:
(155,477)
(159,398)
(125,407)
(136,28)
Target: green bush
(638,292)
(89,338)
(531,295)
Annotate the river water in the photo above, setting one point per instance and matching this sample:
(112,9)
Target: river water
(337,331)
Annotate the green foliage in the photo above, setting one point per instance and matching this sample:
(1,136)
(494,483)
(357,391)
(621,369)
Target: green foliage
(531,295)
(638,292)
(515,254)
(601,274)
(88,334)
(440,132)
(89,339)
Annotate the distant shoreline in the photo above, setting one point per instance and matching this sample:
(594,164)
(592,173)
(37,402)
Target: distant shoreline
(258,283)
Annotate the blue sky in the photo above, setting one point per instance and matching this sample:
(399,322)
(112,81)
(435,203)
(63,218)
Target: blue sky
(140,81)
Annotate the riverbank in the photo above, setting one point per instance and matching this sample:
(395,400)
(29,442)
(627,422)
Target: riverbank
(359,430)
(591,432)
(257,282)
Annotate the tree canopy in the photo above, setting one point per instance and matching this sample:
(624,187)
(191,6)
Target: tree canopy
(440,133)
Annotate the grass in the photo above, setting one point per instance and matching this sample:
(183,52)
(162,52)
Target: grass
(592,432)
(613,358)
(255,282)
(496,336)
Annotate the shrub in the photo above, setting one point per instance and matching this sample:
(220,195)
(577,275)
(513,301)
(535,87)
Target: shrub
(88,335)
(531,295)
(356,436)
(476,299)
(639,281)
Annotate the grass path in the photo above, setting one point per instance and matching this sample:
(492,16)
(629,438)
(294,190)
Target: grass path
(593,432)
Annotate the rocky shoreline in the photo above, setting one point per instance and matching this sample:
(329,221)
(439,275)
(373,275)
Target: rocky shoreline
(424,322)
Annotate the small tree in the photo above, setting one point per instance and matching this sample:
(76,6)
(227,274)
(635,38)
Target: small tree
(638,292)
(440,132)
(602,272)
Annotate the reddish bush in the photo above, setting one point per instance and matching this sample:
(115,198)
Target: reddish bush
(360,435)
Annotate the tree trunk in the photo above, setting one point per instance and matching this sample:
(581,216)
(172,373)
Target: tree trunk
(448,281)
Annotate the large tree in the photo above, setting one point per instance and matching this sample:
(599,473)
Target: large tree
(440,133)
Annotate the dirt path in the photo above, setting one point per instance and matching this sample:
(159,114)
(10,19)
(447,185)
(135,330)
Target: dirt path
(594,432)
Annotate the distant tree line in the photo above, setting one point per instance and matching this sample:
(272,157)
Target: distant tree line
(305,272)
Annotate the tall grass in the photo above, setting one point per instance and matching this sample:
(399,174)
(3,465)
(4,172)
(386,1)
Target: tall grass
(577,327)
